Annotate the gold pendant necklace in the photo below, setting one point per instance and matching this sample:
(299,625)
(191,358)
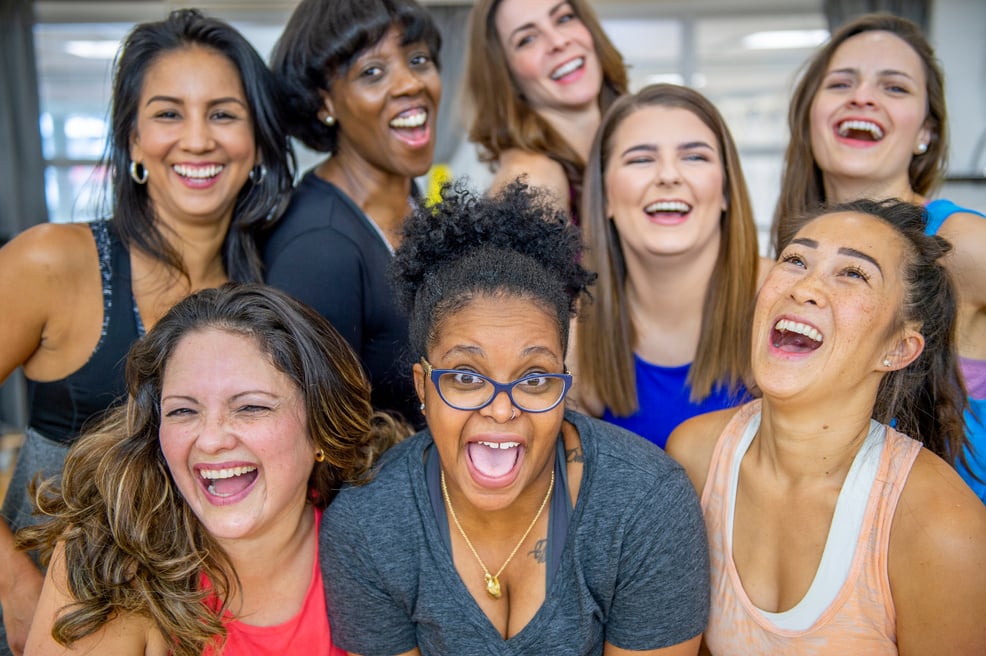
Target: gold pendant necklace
(493,580)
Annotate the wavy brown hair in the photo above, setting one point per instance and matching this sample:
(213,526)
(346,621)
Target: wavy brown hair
(501,118)
(606,336)
(802,188)
(132,543)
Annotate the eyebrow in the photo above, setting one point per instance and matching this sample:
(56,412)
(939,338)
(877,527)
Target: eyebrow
(528,25)
(844,250)
(887,72)
(478,352)
(179,101)
(652,148)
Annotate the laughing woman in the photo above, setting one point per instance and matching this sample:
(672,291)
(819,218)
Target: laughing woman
(197,162)
(830,532)
(539,76)
(361,82)
(868,120)
(510,525)
(186,523)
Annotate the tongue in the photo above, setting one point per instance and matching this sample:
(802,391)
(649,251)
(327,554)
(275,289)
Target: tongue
(492,462)
(794,342)
(225,487)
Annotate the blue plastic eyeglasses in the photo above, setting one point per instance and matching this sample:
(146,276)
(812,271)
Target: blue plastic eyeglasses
(466,390)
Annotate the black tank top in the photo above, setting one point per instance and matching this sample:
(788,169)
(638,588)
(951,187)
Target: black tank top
(61,409)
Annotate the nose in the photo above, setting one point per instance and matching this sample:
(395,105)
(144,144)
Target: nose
(197,135)
(556,37)
(215,434)
(809,290)
(501,409)
(862,95)
(407,81)
(667,174)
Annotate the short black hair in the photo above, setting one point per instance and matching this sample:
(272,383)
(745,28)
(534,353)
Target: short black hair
(322,40)
(516,243)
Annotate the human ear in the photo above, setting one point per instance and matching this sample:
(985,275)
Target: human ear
(328,111)
(419,381)
(909,346)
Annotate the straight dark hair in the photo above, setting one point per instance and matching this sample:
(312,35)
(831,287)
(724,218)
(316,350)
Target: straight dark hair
(132,211)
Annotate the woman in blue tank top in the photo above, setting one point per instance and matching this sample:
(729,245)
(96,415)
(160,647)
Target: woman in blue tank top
(868,120)
(669,229)
(197,162)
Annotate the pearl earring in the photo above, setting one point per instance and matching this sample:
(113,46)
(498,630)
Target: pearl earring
(922,148)
(330,120)
(886,362)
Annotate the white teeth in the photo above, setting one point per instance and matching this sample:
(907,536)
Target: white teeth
(570,67)
(788,326)
(863,126)
(198,172)
(413,121)
(668,206)
(230,472)
(500,445)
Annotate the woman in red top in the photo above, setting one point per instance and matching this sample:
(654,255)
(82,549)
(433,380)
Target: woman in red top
(246,411)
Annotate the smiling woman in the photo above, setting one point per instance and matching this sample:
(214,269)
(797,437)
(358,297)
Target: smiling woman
(199,163)
(830,531)
(245,413)
(539,76)
(535,530)
(360,80)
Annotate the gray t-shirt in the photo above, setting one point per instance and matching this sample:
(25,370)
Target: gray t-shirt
(634,569)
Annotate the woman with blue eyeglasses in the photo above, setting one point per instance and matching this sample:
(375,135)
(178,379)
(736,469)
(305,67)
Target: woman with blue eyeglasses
(510,525)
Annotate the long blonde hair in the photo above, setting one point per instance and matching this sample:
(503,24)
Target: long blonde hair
(606,337)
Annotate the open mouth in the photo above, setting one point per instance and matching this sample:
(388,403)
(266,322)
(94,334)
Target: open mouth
(198,173)
(674,208)
(227,482)
(494,460)
(411,126)
(568,68)
(860,130)
(795,337)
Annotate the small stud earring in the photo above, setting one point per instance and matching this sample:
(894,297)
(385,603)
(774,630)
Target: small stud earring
(886,362)
(320,456)
(330,120)
(922,148)
(422,407)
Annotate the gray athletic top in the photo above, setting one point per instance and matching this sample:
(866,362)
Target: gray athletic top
(634,567)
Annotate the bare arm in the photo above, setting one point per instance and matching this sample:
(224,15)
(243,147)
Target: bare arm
(967,234)
(20,587)
(124,634)
(938,563)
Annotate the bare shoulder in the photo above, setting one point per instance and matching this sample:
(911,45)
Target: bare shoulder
(56,248)
(694,440)
(537,169)
(937,562)
(125,633)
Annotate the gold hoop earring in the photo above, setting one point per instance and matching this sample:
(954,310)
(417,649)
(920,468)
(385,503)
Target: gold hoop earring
(320,456)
